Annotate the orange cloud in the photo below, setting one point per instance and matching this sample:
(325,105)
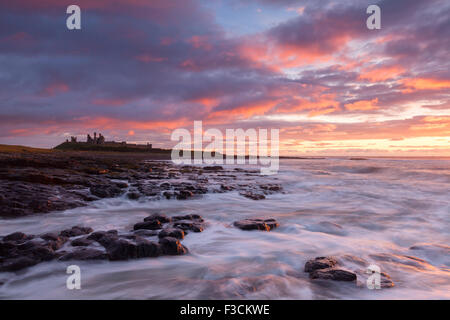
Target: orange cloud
(362,105)
(381,74)
(412,84)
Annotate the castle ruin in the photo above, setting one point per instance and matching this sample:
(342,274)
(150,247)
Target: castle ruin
(100,140)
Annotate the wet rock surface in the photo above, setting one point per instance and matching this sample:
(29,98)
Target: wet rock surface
(19,250)
(257,224)
(42,183)
(327,268)
(333,274)
(331,268)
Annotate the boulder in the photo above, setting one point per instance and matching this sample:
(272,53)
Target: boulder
(75,231)
(257,224)
(149,225)
(18,263)
(320,263)
(333,274)
(171,232)
(17,236)
(84,254)
(81,242)
(121,249)
(159,217)
(147,248)
(172,246)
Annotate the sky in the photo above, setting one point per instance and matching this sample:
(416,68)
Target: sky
(139,69)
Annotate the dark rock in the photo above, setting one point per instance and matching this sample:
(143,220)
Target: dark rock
(7,248)
(40,252)
(121,249)
(16,236)
(184,194)
(161,218)
(171,232)
(147,248)
(54,240)
(81,242)
(192,226)
(75,231)
(84,254)
(18,263)
(121,185)
(333,274)
(253,196)
(105,238)
(106,191)
(149,225)
(188,217)
(146,233)
(257,224)
(172,246)
(320,263)
(133,195)
(168,195)
(213,168)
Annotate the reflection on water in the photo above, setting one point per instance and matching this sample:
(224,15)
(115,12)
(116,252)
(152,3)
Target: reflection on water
(394,213)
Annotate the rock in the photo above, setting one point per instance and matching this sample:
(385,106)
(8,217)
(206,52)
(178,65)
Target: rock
(184,194)
(7,248)
(81,242)
(75,231)
(149,225)
(333,274)
(161,218)
(192,226)
(213,168)
(172,246)
(18,264)
(188,217)
(145,233)
(171,232)
(253,196)
(105,238)
(147,248)
(16,236)
(84,254)
(54,240)
(106,191)
(40,252)
(320,263)
(121,249)
(256,224)
(133,195)
(168,195)
(122,185)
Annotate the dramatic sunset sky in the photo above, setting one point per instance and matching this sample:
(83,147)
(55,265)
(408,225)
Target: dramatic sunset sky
(139,69)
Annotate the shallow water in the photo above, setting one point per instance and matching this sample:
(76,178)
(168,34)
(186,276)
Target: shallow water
(369,211)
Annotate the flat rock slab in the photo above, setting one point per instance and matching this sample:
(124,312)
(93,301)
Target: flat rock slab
(333,274)
(256,224)
(320,263)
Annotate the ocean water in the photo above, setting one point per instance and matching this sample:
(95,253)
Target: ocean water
(394,213)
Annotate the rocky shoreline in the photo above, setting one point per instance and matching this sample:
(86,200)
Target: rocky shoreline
(41,183)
